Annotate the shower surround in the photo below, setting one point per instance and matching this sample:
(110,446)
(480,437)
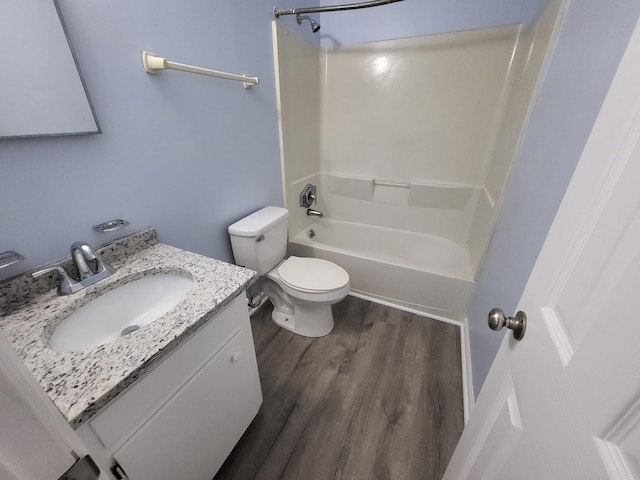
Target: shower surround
(410,143)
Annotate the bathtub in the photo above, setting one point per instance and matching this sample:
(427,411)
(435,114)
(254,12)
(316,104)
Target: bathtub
(422,272)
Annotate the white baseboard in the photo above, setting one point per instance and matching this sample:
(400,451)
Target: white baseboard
(467,377)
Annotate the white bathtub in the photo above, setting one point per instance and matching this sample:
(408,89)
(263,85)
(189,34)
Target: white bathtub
(423,272)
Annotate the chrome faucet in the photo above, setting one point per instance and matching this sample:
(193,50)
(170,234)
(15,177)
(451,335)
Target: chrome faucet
(91,269)
(89,262)
(308,196)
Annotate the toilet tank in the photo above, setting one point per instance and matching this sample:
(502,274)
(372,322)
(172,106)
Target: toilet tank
(259,241)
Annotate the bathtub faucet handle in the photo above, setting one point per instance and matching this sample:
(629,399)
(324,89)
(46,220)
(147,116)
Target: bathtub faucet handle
(308,196)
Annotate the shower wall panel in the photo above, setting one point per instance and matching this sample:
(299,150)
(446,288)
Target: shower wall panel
(535,40)
(298,74)
(417,109)
(441,210)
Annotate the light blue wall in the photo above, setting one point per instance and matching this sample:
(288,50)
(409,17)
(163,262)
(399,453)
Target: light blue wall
(412,18)
(184,153)
(582,67)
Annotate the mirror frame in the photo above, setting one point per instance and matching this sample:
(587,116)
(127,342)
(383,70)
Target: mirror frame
(57,126)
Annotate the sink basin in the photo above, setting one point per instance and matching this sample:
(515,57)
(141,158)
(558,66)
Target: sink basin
(120,311)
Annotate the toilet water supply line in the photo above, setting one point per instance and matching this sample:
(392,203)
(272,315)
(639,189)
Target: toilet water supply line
(254,300)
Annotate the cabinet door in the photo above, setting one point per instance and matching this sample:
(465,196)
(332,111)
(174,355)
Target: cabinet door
(124,416)
(194,432)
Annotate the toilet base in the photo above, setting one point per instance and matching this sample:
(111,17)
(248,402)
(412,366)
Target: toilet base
(304,318)
(308,321)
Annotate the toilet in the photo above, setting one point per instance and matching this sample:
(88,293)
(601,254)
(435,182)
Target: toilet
(302,290)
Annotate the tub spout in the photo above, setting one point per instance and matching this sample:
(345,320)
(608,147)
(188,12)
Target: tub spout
(313,213)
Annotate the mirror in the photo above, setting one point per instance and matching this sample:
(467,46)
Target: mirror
(41,90)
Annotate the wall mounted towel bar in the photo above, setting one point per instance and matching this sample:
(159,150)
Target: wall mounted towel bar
(152,63)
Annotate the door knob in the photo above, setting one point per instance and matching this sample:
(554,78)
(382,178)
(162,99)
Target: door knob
(518,324)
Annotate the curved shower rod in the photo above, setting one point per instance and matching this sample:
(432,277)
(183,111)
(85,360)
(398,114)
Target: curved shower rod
(331,8)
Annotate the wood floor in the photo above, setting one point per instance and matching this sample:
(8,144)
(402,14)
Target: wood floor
(378,398)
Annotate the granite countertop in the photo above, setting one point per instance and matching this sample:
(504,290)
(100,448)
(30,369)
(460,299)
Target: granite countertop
(81,383)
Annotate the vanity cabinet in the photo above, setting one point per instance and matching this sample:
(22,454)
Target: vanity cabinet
(183,417)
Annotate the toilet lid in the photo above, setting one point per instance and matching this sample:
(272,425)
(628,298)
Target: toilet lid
(312,274)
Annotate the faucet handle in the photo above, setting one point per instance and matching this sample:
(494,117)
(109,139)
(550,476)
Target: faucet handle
(308,196)
(67,284)
(55,268)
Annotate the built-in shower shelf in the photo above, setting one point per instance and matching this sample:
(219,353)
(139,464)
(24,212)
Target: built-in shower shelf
(401,192)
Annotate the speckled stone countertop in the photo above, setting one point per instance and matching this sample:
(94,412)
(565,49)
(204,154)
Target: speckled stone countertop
(81,383)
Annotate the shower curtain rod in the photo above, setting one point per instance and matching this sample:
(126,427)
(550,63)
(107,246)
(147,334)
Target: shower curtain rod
(331,8)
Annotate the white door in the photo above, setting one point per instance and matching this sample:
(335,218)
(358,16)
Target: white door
(564,403)
(36,442)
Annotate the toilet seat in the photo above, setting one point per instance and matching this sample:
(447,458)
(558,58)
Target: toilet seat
(312,275)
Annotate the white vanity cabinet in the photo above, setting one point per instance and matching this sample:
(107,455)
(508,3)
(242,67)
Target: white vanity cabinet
(182,418)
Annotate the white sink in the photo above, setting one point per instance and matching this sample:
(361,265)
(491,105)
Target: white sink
(120,311)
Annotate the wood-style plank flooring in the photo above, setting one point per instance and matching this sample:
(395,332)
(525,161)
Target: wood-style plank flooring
(378,398)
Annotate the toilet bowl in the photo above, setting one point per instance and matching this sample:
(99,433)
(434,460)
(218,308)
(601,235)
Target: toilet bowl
(301,290)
